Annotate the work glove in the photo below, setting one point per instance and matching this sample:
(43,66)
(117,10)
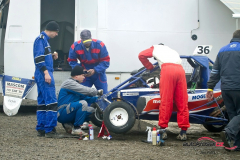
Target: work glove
(100,92)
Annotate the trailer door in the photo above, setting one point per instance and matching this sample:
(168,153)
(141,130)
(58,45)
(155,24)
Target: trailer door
(23,26)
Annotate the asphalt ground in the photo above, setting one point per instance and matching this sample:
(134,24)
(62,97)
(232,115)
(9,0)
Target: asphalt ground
(18,140)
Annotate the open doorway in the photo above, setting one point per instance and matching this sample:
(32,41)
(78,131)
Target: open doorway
(63,12)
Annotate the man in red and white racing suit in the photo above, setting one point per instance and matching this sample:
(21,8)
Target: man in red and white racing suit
(173,86)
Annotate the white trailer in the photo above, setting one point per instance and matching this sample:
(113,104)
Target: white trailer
(125,26)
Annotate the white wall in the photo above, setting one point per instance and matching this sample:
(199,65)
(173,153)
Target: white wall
(23,27)
(86,17)
(128,27)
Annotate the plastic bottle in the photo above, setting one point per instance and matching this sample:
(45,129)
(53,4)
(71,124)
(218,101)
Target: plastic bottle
(154,136)
(149,137)
(158,136)
(91,135)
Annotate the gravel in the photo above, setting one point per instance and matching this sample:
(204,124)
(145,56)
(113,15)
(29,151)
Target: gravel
(18,140)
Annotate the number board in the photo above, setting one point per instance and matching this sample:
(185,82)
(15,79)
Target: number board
(202,50)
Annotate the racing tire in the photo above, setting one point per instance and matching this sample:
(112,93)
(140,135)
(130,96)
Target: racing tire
(97,118)
(214,128)
(119,117)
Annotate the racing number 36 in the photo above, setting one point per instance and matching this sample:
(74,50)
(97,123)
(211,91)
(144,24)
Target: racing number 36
(202,49)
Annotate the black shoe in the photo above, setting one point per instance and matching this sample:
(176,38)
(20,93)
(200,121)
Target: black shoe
(40,133)
(226,139)
(53,134)
(68,127)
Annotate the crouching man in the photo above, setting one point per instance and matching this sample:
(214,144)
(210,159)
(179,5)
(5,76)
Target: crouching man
(73,102)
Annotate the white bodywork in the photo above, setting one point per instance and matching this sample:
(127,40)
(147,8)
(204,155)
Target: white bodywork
(126,27)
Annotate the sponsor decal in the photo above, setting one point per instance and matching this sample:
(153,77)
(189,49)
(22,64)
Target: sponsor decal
(14,89)
(16,79)
(131,94)
(202,96)
(12,101)
(156,101)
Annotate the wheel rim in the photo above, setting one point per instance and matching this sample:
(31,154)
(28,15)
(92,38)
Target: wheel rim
(118,117)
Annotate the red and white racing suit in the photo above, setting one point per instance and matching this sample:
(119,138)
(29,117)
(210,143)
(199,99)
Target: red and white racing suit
(173,86)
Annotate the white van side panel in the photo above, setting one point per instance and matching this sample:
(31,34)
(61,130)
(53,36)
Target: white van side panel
(23,27)
(129,26)
(86,17)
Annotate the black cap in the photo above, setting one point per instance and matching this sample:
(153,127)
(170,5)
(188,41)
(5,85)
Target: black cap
(77,70)
(86,36)
(52,26)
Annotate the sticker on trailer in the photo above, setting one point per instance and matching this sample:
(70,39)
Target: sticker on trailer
(203,50)
(14,89)
(130,94)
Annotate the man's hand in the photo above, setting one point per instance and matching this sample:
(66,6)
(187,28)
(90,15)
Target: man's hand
(47,77)
(90,72)
(55,55)
(209,95)
(100,92)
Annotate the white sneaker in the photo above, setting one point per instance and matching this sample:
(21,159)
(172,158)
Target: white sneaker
(85,126)
(78,132)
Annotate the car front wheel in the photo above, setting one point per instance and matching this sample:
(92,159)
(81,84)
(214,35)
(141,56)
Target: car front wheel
(119,117)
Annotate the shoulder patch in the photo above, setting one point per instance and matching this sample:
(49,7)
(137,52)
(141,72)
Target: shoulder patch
(94,40)
(42,36)
(79,41)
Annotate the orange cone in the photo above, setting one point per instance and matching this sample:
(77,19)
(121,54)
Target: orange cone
(102,131)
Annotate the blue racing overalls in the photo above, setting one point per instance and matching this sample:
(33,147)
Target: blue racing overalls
(47,101)
(96,58)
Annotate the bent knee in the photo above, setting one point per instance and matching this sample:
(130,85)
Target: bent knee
(85,106)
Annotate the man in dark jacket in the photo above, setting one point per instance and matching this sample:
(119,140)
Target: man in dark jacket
(227,69)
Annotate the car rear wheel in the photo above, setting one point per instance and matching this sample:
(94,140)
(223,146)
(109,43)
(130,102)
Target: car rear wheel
(216,128)
(119,117)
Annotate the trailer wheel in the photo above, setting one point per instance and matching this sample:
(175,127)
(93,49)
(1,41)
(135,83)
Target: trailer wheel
(119,117)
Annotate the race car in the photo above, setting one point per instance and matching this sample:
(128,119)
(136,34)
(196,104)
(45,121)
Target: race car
(139,98)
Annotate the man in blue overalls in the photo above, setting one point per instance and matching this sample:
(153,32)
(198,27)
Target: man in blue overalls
(73,102)
(47,101)
(94,58)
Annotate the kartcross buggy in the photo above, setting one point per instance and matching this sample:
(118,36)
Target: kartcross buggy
(135,98)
